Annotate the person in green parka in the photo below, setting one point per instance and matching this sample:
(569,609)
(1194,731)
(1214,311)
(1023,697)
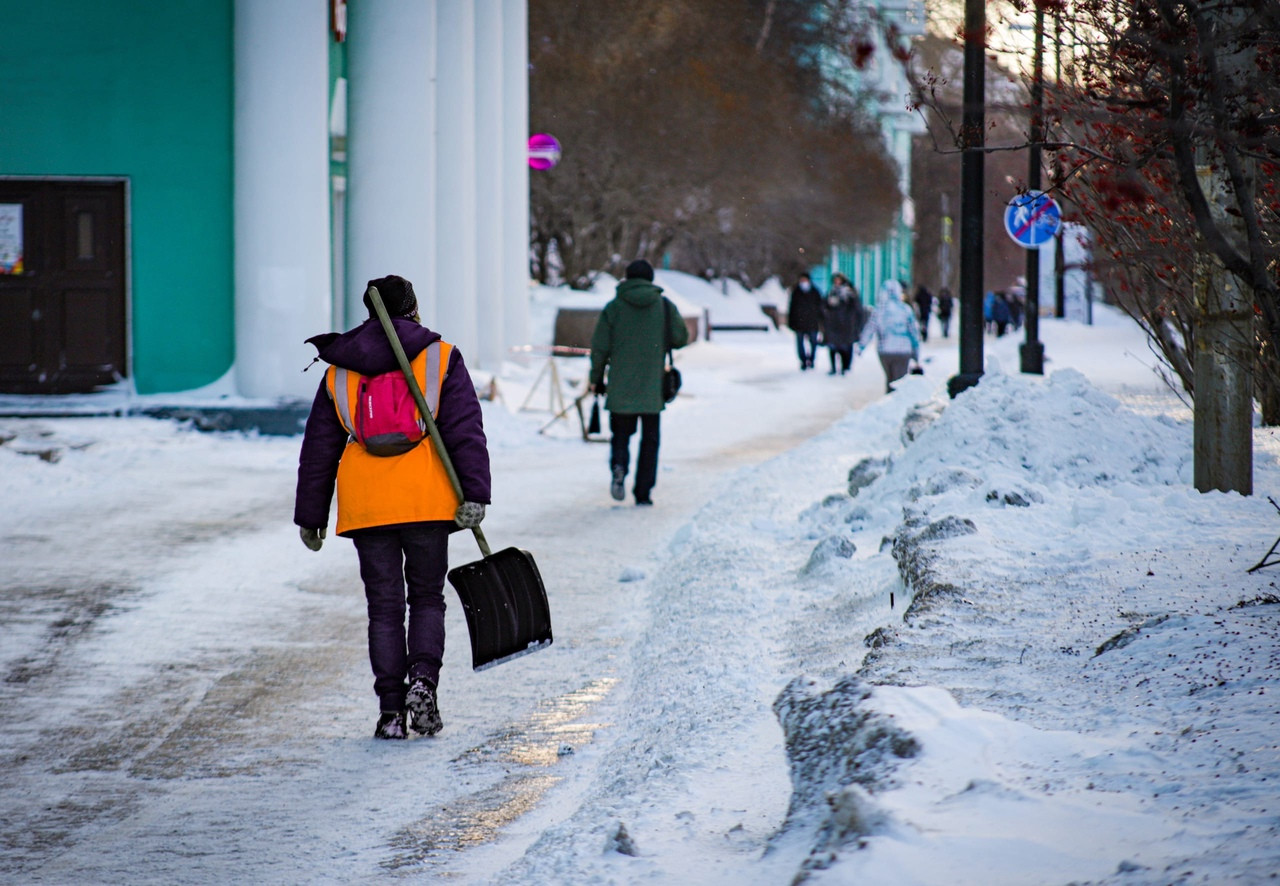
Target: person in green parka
(629,345)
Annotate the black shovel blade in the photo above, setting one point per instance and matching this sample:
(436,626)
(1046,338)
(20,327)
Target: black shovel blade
(506,607)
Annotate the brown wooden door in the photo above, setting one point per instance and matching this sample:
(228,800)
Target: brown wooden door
(62,310)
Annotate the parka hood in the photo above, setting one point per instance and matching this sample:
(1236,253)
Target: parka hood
(366,350)
(639,293)
(891,290)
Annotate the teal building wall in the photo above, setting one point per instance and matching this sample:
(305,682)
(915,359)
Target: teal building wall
(140,90)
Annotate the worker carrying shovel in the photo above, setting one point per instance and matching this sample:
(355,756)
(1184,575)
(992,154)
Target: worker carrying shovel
(396,499)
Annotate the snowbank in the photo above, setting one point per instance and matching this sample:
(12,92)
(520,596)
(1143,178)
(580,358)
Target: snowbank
(1094,669)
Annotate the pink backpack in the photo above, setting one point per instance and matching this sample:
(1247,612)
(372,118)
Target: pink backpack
(385,419)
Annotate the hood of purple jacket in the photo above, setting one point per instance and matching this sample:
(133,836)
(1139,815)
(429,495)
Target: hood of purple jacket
(366,349)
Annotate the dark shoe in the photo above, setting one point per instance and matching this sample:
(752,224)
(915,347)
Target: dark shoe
(390,725)
(616,488)
(644,501)
(832,372)
(424,714)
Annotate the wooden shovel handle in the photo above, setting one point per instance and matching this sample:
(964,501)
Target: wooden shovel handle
(398,349)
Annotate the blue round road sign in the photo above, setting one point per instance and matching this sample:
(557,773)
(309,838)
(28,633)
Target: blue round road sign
(1032,219)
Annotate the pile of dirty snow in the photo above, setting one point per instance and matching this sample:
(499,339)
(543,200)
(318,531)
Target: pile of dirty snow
(1083,681)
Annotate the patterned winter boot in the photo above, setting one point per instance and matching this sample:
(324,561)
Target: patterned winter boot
(390,725)
(424,714)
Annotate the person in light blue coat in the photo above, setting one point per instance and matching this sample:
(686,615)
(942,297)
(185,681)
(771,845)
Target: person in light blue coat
(893,324)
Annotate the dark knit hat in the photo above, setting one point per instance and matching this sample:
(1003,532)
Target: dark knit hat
(397,295)
(640,270)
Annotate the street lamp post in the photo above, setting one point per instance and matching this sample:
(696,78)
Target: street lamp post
(1032,350)
(971,187)
(1059,299)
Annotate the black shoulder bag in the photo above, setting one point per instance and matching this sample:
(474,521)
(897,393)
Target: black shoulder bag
(671,376)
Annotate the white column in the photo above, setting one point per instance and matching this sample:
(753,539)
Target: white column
(456,266)
(391,149)
(515,166)
(490,172)
(281,144)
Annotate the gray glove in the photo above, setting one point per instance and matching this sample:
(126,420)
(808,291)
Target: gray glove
(312,538)
(469,514)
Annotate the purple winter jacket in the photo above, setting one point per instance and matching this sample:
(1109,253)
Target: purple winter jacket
(366,350)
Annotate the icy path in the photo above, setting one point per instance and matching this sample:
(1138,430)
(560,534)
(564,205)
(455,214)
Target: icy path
(187,697)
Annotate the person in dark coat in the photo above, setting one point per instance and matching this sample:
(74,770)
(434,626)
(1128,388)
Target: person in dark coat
(400,509)
(628,345)
(945,305)
(804,316)
(1001,313)
(924,307)
(842,318)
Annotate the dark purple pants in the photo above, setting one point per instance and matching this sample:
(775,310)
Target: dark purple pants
(390,559)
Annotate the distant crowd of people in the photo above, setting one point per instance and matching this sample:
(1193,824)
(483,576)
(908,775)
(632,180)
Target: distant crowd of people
(839,321)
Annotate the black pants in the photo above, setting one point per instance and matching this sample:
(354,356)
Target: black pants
(806,348)
(842,354)
(399,565)
(622,426)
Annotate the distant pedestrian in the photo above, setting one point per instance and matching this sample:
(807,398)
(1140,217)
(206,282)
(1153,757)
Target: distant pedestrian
(842,319)
(924,307)
(945,306)
(1017,307)
(804,316)
(628,346)
(893,324)
(988,307)
(398,509)
(1001,314)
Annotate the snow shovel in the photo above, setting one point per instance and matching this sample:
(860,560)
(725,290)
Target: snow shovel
(502,594)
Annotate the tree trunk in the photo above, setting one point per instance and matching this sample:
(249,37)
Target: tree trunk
(1267,379)
(1224,358)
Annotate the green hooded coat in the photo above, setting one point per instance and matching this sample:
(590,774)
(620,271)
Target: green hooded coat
(628,340)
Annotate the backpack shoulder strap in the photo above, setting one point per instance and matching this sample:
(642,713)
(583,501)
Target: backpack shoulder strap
(667,307)
(340,391)
(434,375)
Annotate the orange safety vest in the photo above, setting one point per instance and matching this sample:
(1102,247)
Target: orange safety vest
(387,490)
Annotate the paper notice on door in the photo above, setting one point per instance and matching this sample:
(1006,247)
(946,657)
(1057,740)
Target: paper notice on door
(10,238)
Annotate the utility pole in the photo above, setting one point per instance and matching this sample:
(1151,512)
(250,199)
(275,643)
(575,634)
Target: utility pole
(944,243)
(1059,298)
(972,137)
(1032,350)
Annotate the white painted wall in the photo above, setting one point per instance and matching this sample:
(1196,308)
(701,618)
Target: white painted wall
(515,180)
(490,172)
(281,146)
(391,149)
(457,253)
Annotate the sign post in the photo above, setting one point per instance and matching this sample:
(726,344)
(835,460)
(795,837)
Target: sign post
(1032,220)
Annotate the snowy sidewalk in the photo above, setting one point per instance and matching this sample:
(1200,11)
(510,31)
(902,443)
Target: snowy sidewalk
(187,698)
